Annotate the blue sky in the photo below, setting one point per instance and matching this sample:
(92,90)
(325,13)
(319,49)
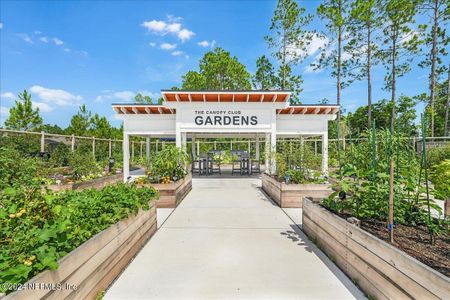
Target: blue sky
(69,53)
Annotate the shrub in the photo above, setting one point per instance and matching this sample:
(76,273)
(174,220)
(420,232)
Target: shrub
(82,164)
(60,156)
(37,229)
(440,176)
(171,162)
(436,155)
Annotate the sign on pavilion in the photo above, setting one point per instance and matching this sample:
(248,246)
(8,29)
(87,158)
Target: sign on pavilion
(262,115)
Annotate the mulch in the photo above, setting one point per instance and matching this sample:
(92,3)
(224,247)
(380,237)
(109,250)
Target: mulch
(415,241)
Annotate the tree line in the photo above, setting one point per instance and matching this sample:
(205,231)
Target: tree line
(359,35)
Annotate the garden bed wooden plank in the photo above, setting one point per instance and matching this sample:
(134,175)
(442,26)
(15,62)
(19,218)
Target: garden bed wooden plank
(401,271)
(77,266)
(292,195)
(171,194)
(96,183)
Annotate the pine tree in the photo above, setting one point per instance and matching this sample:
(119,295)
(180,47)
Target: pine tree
(22,116)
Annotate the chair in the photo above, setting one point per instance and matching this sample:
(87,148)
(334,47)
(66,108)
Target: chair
(245,162)
(215,160)
(255,166)
(204,164)
(195,165)
(236,162)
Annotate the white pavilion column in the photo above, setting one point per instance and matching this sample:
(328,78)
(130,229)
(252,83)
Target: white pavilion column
(126,156)
(257,148)
(267,151)
(193,146)
(178,138)
(325,153)
(183,140)
(273,148)
(147,147)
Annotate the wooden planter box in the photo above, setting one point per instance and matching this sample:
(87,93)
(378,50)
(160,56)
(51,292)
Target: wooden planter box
(171,194)
(96,183)
(92,267)
(381,270)
(292,195)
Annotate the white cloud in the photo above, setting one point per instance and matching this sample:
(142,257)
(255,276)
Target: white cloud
(37,32)
(177,53)
(155,26)
(152,44)
(213,43)
(56,96)
(7,95)
(172,26)
(311,69)
(26,38)
(203,43)
(185,35)
(109,95)
(57,41)
(1,25)
(44,39)
(43,107)
(167,46)
(67,49)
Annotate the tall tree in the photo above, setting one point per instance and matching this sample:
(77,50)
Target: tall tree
(400,42)
(100,127)
(218,70)
(365,16)
(436,39)
(264,78)
(81,122)
(447,104)
(22,116)
(141,99)
(289,40)
(335,14)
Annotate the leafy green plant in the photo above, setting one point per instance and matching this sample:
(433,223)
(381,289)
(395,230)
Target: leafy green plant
(171,162)
(60,156)
(440,176)
(37,229)
(82,164)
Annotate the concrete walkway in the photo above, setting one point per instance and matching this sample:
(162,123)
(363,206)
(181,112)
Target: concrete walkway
(227,240)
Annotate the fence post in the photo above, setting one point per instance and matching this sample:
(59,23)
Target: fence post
(42,141)
(231,145)
(198,148)
(157,145)
(140,151)
(110,148)
(93,146)
(315,147)
(132,150)
(215,146)
(249,147)
(72,145)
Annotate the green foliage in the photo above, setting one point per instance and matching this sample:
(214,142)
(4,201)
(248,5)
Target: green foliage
(264,78)
(405,115)
(82,164)
(297,163)
(60,156)
(437,155)
(289,40)
(440,176)
(37,229)
(79,124)
(218,71)
(22,116)
(364,178)
(18,170)
(141,99)
(170,161)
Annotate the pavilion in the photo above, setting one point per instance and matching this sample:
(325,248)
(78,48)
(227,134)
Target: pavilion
(262,115)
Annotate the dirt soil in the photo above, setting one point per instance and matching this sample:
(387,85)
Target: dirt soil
(416,242)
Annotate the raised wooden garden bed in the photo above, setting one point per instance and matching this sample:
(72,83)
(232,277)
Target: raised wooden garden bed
(292,195)
(380,269)
(171,194)
(96,183)
(93,266)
